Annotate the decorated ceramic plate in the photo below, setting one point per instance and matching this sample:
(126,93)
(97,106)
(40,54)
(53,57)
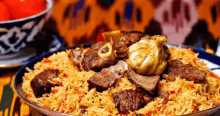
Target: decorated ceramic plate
(46,41)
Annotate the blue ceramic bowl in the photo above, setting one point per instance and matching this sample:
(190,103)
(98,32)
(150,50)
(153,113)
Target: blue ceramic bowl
(213,65)
(16,34)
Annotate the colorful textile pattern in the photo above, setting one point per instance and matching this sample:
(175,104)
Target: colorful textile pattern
(10,103)
(190,22)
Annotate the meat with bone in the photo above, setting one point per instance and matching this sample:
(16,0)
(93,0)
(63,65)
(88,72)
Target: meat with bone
(129,100)
(176,68)
(127,40)
(42,83)
(99,56)
(149,83)
(107,76)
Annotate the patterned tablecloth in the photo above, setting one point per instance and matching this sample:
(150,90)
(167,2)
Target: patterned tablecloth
(10,103)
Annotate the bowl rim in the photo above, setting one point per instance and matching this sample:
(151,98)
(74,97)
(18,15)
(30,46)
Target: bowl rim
(34,61)
(49,6)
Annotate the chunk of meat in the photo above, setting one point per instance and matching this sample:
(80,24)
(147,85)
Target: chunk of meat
(147,98)
(176,68)
(121,50)
(76,56)
(42,83)
(148,83)
(93,61)
(163,95)
(127,40)
(102,80)
(128,100)
(107,76)
(131,37)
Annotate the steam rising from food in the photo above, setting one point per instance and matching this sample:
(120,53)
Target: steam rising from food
(148,56)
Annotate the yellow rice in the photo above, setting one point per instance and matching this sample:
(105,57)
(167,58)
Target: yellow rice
(184,96)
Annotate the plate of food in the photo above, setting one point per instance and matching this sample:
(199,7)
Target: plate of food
(127,74)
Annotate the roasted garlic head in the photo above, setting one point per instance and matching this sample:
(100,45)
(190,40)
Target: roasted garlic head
(148,56)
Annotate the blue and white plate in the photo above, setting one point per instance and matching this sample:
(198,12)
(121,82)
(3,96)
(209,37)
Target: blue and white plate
(52,43)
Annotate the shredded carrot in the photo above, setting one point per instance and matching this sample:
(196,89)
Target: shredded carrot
(28,95)
(65,97)
(150,112)
(214,75)
(194,60)
(191,51)
(55,90)
(77,92)
(172,92)
(193,108)
(179,89)
(171,48)
(46,106)
(47,61)
(192,86)
(65,75)
(215,102)
(119,80)
(56,81)
(163,109)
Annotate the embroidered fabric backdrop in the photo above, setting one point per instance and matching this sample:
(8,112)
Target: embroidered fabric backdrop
(190,22)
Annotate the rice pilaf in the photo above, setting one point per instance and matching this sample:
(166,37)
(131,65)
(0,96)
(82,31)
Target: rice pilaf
(73,96)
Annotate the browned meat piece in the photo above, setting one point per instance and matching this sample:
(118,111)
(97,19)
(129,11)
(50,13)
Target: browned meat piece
(122,46)
(148,83)
(92,60)
(128,100)
(121,50)
(102,80)
(176,68)
(76,56)
(131,37)
(107,76)
(42,83)
(163,95)
(147,98)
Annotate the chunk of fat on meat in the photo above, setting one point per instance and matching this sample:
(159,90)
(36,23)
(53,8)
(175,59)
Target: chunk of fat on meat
(119,69)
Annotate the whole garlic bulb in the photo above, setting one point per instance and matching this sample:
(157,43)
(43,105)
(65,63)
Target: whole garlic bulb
(148,56)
